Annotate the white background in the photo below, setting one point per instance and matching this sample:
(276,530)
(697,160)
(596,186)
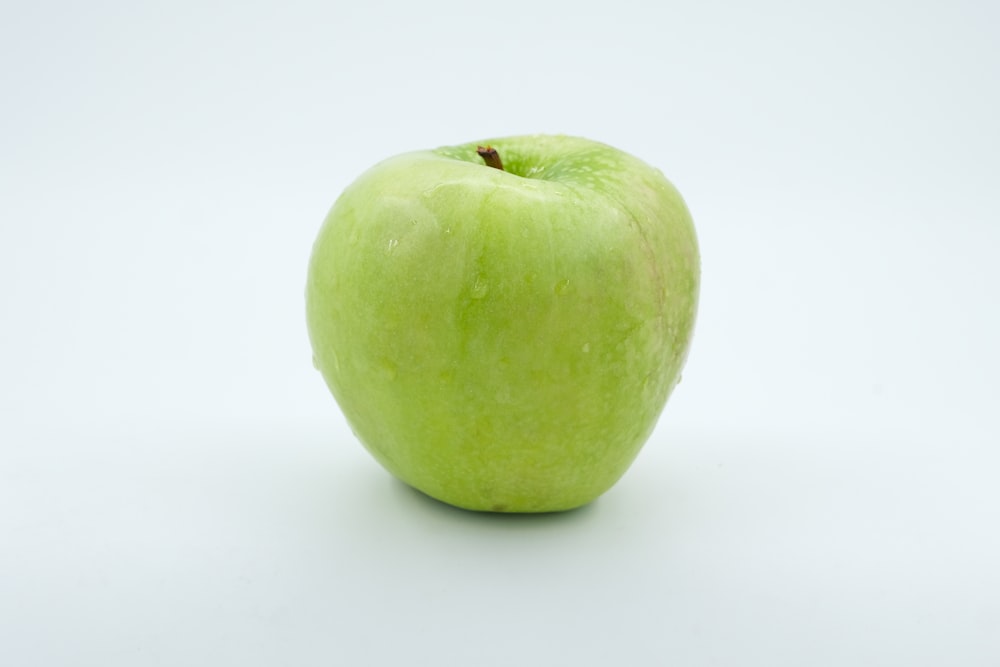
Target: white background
(177,487)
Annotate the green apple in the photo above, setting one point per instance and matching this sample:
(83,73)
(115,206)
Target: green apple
(502,325)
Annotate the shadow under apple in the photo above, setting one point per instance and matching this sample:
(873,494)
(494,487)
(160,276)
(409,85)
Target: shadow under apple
(403,493)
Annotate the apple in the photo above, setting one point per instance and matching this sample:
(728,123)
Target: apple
(502,322)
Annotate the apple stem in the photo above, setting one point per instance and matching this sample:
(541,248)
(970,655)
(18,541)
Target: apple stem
(490,157)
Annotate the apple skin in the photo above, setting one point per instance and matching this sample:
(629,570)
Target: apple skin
(505,340)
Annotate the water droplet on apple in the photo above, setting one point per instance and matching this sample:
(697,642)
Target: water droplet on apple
(392,245)
(504,395)
(561,286)
(387,369)
(586,348)
(315,362)
(480,288)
